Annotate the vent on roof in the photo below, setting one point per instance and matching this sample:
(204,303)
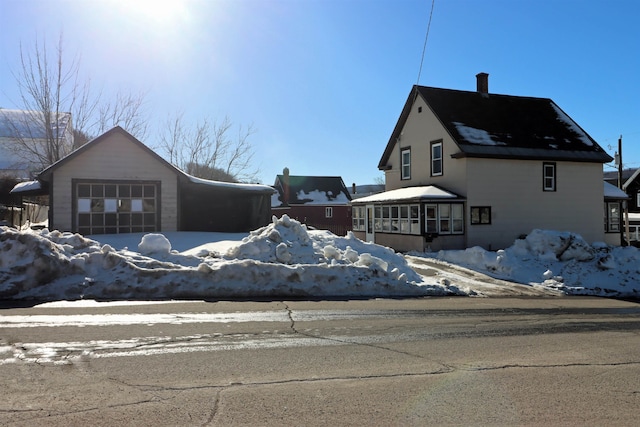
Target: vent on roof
(482,80)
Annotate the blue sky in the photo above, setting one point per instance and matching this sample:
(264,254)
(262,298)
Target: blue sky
(324,81)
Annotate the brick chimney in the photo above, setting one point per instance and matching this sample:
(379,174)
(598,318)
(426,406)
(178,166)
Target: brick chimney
(285,186)
(482,80)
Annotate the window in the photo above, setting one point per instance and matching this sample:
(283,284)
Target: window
(358,218)
(403,219)
(638,200)
(436,158)
(612,217)
(124,207)
(481,215)
(549,176)
(328,212)
(444,218)
(406,163)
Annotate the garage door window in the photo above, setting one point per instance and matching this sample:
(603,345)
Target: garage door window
(116,208)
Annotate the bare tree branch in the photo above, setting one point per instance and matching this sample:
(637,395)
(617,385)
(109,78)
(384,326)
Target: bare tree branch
(51,94)
(206,149)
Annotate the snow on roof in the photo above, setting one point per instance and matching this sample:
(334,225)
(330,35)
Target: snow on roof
(562,116)
(26,186)
(232,185)
(319,197)
(407,194)
(475,136)
(613,192)
(29,124)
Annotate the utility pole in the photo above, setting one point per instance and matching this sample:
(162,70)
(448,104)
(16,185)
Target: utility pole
(624,229)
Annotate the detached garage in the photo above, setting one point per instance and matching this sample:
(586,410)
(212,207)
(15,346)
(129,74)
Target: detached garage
(116,184)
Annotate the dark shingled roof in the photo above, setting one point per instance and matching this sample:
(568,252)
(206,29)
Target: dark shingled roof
(332,186)
(504,126)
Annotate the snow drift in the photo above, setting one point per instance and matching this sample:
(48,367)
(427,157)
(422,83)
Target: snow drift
(558,260)
(281,259)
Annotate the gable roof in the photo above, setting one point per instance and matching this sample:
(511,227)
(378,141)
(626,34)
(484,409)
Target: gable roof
(631,179)
(308,190)
(186,178)
(46,173)
(503,126)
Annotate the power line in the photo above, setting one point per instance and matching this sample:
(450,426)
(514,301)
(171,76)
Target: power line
(426,37)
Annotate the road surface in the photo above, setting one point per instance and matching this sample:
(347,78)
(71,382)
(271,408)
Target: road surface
(432,361)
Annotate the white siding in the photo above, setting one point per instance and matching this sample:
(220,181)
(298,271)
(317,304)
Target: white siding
(419,131)
(513,190)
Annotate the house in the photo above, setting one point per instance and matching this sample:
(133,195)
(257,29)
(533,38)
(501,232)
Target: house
(630,185)
(23,140)
(466,169)
(319,201)
(116,184)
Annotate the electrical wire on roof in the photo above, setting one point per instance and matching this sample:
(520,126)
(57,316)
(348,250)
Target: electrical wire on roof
(426,37)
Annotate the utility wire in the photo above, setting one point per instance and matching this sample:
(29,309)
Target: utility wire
(426,37)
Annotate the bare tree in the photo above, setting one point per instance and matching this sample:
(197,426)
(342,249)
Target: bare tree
(56,104)
(207,150)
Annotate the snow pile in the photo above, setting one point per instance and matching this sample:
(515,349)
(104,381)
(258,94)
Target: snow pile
(283,259)
(558,260)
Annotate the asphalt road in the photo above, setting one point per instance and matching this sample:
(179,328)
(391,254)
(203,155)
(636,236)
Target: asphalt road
(434,361)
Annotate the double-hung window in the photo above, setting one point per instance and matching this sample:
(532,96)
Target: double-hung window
(549,176)
(405,163)
(436,158)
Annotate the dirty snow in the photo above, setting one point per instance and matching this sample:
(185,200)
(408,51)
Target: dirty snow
(285,259)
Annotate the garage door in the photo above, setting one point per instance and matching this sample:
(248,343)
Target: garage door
(111,208)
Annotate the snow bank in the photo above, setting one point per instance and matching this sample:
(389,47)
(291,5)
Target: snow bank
(558,260)
(283,259)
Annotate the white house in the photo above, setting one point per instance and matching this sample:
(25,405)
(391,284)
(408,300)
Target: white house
(23,140)
(467,169)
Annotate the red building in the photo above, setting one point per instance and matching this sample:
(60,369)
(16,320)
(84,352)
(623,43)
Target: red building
(322,202)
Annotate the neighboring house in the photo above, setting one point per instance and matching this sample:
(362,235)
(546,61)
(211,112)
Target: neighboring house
(23,140)
(116,184)
(631,187)
(319,201)
(466,169)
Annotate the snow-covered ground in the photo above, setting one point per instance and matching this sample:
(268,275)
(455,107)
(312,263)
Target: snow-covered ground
(285,259)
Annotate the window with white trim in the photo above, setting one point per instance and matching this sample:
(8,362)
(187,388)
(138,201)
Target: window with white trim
(638,200)
(328,212)
(444,218)
(405,160)
(358,218)
(436,158)
(402,219)
(549,176)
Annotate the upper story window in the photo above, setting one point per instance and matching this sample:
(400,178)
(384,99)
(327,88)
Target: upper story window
(549,176)
(436,158)
(405,163)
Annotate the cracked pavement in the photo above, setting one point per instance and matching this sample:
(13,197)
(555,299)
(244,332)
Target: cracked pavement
(442,361)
